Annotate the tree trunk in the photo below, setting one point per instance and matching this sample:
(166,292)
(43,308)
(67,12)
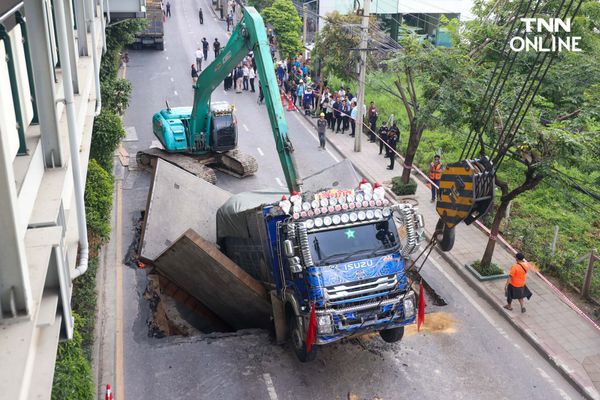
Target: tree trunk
(411,150)
(491,244)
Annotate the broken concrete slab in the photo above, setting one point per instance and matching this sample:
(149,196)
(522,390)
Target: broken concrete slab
(198,267)
(178,201)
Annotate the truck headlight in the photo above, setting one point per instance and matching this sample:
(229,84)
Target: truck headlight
(409,306)
(324,324)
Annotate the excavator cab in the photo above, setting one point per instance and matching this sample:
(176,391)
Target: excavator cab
(466,193)
(223,127)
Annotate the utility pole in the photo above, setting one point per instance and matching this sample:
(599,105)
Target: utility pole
(364,38)
(305,23)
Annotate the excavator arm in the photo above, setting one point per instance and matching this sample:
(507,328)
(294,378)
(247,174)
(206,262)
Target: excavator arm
(248,35)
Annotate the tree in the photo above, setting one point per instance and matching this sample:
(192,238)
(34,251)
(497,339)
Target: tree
(286,23)
(333,48)
(436,86)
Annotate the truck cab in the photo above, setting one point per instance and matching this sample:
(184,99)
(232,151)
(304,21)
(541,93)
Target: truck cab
(335,254)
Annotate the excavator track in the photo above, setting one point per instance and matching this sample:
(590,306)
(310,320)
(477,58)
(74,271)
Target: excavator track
(196,165)
(236,163)
(233,162)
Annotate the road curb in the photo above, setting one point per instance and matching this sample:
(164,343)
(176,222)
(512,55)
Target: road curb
(450,259)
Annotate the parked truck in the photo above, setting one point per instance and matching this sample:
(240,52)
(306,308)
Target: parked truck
(154,33)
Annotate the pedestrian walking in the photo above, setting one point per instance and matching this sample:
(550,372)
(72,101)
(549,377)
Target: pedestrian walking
(435,174)
(252,76)
(321,128)
(383,139)
(261,95)
(392,141)
(169,9)
(216,47)
(199,57)
(194,75)
(515,287)
(201,16)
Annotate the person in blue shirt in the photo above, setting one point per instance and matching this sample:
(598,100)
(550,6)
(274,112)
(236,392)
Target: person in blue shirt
(308,99)
(300,90)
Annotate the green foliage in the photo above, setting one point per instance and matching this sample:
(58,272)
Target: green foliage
(107,134)
(116,94)
(283,16)
(72,375)
(490,270)
(84,304)
(402,189)
(98,200)
(117,36)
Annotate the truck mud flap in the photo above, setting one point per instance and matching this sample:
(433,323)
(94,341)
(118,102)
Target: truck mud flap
(197,266)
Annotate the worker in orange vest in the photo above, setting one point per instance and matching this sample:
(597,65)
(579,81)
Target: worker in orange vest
(435,173)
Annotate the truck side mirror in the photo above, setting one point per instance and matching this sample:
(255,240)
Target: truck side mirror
(288,248)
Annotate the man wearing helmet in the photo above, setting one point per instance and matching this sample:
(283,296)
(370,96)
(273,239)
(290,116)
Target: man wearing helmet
(321,128)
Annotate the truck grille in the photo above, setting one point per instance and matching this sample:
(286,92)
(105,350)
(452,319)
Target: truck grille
(358,293)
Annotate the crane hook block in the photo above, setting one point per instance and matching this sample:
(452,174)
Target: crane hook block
(466,191)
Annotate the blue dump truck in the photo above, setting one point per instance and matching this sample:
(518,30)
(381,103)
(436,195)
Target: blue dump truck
(335,260)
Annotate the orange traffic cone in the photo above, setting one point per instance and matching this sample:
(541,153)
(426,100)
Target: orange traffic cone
(282,99)
(109,395)
(290,104)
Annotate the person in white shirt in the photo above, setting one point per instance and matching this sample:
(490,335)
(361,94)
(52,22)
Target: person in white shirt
(199,56)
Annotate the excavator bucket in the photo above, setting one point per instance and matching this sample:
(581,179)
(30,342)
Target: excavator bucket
(466,191)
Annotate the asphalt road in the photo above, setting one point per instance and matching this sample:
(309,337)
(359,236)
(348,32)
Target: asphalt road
(467,351)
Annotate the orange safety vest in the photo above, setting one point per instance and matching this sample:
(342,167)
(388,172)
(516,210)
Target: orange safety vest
(435,171)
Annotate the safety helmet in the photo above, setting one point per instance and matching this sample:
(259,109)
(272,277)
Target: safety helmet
(321,115)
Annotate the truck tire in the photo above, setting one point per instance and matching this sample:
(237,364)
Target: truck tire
(298,343)
(445,236)
(159,46)
(392,335)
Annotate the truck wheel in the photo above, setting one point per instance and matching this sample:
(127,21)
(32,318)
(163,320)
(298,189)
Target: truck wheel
(445,236)
(392,335)
(159,46)
(298,343)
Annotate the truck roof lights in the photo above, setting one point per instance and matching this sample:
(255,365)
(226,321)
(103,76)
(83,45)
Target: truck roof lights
(333,201)
(353,217)
(362,215)
(365,203)
(310,223)
(337,207)
(370,214)
(368,196)
(378,214)
(336,219)
(351,206)
(386,212)
(319,222)
(306,206)
(350,198)
(372,203)
(378,203)
(327,220)
(359,197)
(345,218)
(324,203)
(314,204)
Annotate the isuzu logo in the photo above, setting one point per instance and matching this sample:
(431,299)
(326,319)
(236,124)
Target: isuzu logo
(356,265)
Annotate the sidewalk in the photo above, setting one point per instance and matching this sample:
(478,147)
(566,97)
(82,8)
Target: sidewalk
(552,324)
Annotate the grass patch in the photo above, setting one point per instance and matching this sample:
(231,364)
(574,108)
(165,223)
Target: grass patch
(490,270)
(402,189)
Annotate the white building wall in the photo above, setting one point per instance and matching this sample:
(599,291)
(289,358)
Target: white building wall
(8,122)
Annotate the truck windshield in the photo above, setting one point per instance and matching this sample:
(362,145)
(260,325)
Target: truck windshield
(353,242)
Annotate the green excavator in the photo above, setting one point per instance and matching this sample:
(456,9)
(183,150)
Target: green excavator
(204,137)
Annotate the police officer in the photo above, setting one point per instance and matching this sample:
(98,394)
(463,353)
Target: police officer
(383,137)
(392,141)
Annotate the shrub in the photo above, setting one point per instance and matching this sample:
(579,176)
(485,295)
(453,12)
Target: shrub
(72,374)
(107,134)
(116,94)
(402,189)
(84,305)
(98,200)
(492,269)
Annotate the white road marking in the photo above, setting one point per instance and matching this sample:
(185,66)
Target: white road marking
(312,133)
(270,387)
(166,57)
(260,151)
(501,331)
(246,128)
(169,67)
(172,79)
(279,182)
(175,91)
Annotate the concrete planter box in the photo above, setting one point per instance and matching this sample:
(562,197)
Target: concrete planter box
(479,277)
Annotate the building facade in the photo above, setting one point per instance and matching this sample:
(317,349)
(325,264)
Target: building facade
(49,94)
